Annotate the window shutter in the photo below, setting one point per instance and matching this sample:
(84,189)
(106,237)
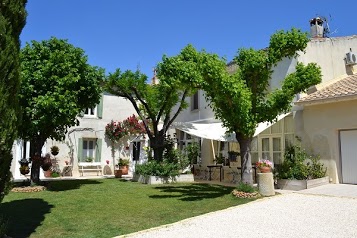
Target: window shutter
(100,107)
(81,114)
(80,149)
(98,151)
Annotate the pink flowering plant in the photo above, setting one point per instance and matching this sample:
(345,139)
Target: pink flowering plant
(264,163)
(133,126)
(115,131)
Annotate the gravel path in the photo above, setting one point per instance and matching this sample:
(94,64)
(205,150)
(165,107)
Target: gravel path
(287,215)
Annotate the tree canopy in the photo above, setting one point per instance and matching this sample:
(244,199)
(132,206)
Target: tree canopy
(244,99)
(157,104)
(57,84)
(12,20)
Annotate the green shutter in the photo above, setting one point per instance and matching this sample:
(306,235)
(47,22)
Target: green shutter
(81,114)
(98,151)
(80,149)
(100,107)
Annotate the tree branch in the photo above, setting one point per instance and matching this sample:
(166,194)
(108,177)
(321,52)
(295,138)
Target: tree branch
(166,125)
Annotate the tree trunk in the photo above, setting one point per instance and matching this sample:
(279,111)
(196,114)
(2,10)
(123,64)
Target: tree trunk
(35,152)
(157,143)
(246,159)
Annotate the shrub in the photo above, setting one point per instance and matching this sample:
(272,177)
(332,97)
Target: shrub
(316,168)
(155,168)
(247,188)
(296,165)
(192,152)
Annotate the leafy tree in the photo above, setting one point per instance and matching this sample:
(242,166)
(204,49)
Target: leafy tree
(57,84)
(157,104)
(12,20)
(244,99)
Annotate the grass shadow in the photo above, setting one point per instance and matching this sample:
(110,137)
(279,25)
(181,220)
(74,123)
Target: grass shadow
(18,213)
(64,185)
(193,192)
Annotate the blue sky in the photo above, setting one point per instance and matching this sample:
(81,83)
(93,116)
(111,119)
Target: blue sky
(128,34)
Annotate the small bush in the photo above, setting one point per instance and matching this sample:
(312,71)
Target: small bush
(247,188)
(154,168)
(296,165)
(316,168)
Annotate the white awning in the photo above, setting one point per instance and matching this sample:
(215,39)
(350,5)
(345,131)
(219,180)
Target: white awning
(213,131)
(264,125)
(216,131)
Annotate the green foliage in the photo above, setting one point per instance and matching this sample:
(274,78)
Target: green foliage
(296,165)
(123,162)
(57,84)
(244,187)
(316,168)
(243,99)
(12,20)
(220,159)
(89,159)
(192,152)
(156,168)
(178,78)
(3,225)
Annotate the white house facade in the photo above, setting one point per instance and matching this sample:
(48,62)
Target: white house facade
(87,140)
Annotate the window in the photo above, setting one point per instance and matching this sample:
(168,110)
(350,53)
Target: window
(88,149)
(90,112)
(136,150)
(194,101)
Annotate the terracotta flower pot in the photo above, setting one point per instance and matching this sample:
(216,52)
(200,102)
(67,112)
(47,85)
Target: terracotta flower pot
(265,169)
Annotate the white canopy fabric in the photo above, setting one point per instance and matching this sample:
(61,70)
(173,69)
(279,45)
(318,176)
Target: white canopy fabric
(216,131)
(213,131)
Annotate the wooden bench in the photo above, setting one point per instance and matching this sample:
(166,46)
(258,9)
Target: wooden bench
(90,166)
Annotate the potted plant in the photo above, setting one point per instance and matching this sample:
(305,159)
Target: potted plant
(24,166)
(123,165)
(89,159)
(264,165)
(55,173)
(54,150)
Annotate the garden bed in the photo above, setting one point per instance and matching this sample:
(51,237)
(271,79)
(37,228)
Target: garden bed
(296,185)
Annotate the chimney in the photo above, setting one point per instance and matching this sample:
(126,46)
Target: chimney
(154,79)
(316,27)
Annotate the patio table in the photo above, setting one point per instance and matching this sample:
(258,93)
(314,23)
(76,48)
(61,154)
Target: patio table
(210,171)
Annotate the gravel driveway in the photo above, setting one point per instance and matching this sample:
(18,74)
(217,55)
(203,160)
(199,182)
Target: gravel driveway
(286,215)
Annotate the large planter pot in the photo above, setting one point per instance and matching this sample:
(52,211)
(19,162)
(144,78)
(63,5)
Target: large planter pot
(182,178)
(296,185)
(47,173)
(125,169)
(265,169)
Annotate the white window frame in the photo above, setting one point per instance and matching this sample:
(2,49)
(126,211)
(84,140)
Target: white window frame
(90,112)
(86,152)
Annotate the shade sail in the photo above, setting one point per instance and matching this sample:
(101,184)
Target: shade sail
(216,131)
(213,131)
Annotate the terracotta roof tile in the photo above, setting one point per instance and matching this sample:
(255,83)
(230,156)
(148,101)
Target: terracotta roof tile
(343,88)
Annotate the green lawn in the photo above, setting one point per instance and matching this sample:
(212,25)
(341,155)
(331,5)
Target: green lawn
(108,207)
